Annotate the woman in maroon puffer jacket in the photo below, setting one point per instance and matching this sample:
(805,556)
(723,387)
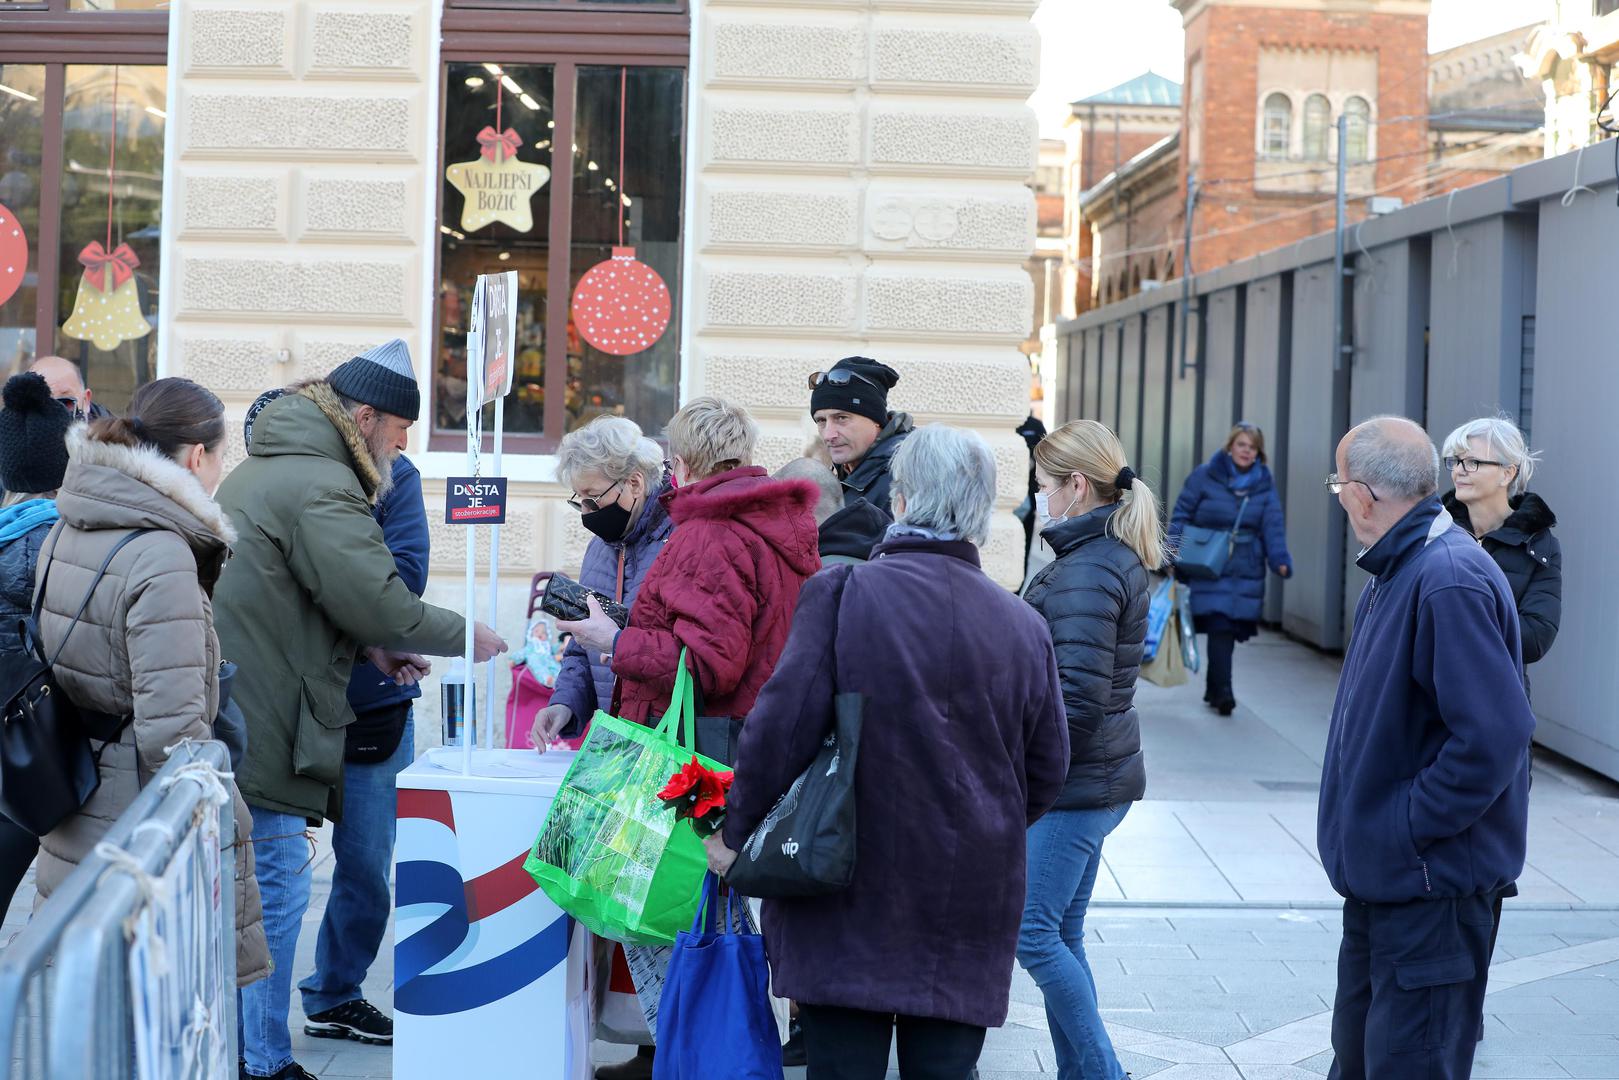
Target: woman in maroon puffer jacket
(725,585)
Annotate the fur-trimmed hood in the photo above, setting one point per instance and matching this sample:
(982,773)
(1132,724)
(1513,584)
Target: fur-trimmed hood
(1530,516)
(111,486)
(289,425)
(779,511)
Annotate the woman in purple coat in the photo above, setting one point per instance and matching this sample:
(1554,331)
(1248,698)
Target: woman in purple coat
(964,744)
(616,475)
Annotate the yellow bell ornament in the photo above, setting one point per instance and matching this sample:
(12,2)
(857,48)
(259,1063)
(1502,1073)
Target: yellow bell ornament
(108,309)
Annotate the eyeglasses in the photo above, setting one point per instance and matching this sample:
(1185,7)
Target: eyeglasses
(589,504)
(1469,466)
(839,377)
(71,405)
(1335,484)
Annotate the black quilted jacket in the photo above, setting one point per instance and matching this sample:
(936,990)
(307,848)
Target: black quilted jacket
(1094,598)
(18,558)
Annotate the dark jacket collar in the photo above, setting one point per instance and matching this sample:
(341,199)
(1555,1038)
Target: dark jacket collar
(1408,536)
(653,519)
(1530,516)
(964,550)
(1069,533)
(875,463)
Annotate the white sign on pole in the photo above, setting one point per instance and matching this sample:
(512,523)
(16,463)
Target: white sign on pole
(491,336)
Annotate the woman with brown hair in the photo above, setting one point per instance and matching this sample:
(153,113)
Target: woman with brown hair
(1102,521)
(144,652)
(1233,490)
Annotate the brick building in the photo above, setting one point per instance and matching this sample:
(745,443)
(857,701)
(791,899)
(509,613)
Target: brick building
(1265,84)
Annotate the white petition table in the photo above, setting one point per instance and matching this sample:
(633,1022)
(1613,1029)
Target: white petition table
(481,966)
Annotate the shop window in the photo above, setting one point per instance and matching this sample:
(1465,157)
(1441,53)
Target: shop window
(614,165)
(1276,136)
(1357,129)
(1317,119)
(81,177)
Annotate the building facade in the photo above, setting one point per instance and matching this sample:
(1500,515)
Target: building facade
(1571,56)
(292,176)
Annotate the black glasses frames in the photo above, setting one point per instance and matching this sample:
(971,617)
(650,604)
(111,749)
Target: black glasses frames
(1335,484)
(1469,466)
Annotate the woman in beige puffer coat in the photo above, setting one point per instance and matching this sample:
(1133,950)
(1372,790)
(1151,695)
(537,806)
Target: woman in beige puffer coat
(145,647)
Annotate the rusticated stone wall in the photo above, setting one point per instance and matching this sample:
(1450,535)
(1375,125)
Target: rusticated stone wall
(861,171)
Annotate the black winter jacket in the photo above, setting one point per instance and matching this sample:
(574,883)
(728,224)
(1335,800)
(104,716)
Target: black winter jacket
(1532,559)
(1094,599)
(18,558)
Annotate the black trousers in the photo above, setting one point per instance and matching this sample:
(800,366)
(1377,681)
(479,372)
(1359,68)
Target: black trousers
(1411,981)
(17,850)
(851,1044)
(1221,647)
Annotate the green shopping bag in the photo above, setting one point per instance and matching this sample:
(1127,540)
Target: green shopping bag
(610,853)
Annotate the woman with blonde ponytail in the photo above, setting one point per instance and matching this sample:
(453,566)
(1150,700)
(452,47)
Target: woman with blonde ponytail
(1103,522)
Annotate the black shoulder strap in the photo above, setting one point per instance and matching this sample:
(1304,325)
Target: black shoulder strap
(84,604)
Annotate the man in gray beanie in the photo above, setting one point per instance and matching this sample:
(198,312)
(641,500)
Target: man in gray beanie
(311,586)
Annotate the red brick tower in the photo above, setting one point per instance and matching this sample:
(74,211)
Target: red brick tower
(1266,81)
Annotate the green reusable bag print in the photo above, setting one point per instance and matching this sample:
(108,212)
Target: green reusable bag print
(610,853)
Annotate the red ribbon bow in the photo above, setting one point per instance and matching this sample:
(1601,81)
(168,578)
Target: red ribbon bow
(508,140)
(117,265)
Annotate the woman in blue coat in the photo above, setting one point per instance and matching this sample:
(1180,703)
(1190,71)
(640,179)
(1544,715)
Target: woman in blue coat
(1227,608)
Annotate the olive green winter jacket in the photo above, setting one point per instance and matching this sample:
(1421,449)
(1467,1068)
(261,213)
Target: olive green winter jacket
(310,583)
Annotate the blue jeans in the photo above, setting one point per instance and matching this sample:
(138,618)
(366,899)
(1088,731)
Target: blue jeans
(357,911)
(1065,853)
(284,871)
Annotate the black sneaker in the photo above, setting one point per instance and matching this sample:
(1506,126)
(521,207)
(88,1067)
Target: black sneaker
(792,1051)
(358,1020)
(293,1071)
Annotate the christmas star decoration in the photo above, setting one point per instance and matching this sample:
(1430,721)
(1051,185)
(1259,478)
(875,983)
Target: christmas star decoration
(495,185)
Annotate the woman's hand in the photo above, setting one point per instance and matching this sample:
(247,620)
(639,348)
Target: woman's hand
(595,633)
(1284,570)
(720,857)
(548,723)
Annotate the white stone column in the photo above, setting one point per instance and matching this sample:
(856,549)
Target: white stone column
(861,176)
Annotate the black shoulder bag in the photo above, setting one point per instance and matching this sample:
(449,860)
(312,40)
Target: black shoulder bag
(47,771)
(805,846)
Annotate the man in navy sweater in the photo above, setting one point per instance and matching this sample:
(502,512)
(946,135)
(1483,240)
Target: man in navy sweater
(1425,788)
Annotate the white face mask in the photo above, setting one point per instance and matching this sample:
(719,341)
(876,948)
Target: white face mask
(1042,510)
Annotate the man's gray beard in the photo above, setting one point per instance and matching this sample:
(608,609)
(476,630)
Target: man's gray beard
(382,456)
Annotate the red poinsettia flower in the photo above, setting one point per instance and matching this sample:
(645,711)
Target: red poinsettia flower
(711,792)
(684,782)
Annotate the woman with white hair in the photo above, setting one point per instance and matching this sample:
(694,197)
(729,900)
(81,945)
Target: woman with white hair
(963,746)
(1490,466)
(617,480)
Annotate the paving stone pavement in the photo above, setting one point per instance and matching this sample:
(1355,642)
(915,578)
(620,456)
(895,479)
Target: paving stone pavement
(1213,936)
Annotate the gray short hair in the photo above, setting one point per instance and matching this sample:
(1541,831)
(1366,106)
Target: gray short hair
(1505,442)
(612,446)
(822,476)
(1390,466)
(947,478)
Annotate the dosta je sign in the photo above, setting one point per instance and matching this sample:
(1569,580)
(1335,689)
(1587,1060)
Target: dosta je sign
(472,500)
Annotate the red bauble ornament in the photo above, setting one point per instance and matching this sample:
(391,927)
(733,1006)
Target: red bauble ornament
(13,253)
(621,306)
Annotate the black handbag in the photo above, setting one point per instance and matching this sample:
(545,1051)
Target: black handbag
(564,598)
(375,734)
(805,846)
(47,771)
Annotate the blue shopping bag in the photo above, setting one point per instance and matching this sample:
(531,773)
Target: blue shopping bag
(1160,605)
(714,1019)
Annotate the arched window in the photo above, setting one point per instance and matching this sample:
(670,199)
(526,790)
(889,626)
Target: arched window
(1317,119)
(1277,132)
(1152,271)
(1135,280)
(1358,130)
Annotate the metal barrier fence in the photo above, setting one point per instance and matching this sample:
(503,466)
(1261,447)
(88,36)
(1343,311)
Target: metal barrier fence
(66,1004)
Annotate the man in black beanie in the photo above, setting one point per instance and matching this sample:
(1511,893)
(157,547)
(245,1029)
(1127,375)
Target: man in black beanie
(849,403)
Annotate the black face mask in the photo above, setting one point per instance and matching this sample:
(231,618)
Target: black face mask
(610,523)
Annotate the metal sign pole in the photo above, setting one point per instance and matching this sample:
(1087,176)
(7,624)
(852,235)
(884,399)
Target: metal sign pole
(494,581)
